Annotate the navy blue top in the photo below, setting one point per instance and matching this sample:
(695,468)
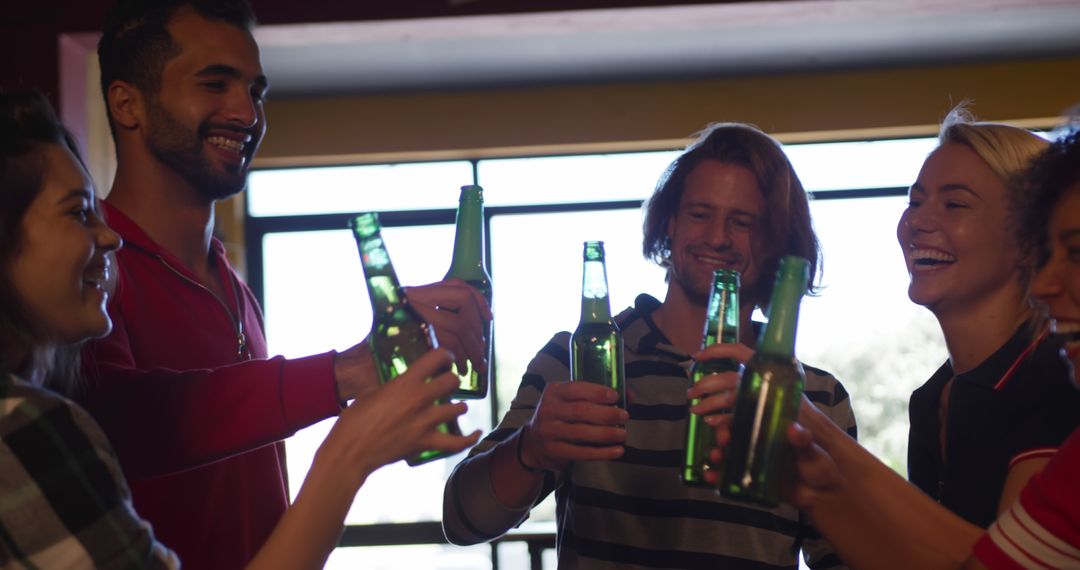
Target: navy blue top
(993,417)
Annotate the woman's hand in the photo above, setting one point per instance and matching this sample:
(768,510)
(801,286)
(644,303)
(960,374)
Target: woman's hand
(399,419)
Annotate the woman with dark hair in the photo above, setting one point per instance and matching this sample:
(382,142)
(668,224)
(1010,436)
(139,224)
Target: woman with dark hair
(33,143)
(54,264)
(63,499)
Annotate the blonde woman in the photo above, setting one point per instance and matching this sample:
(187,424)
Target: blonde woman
(876,520)
(991,415)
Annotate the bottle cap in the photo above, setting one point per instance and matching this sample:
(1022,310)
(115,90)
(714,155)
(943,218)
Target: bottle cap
(794,267)
(472,192)
(594,251)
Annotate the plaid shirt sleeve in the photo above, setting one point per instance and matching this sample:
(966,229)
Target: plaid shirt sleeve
(63,499)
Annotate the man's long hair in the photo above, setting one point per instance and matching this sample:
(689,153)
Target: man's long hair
(786,227)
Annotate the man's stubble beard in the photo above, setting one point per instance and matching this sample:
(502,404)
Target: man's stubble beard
(699,296)
(181,149)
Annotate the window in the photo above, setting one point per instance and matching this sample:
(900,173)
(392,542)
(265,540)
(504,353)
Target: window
(304,265)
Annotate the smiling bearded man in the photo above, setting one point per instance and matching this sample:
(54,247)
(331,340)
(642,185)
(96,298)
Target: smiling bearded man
(183,386)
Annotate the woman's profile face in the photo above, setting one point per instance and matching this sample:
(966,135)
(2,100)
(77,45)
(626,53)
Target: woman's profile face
(956,244)
(60,266)
(1057,284)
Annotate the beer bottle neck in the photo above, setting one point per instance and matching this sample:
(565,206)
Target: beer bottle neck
(722,314)
(778,337)
(595,304)
(468,259)
(382,281)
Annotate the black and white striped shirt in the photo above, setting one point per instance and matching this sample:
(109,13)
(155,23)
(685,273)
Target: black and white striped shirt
(635,512)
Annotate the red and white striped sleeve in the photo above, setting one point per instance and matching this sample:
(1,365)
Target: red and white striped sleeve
(1042,529)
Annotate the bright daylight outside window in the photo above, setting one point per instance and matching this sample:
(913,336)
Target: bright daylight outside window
(862,327)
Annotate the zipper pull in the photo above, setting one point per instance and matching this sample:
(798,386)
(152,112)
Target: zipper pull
(241,346)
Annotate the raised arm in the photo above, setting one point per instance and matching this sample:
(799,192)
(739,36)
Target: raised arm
(521,461)
(871,515)
(163,420)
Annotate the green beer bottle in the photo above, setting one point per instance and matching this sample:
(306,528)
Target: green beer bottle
(398,334)
(468,265)
(721,326)
(596,347)
(758,457)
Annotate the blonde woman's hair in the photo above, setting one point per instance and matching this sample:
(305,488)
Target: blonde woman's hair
(1006,149)
(1009,151)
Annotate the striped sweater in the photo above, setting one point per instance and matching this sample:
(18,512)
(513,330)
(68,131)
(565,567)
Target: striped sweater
(634,512)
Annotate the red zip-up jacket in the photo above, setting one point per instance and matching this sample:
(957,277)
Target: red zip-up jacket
(195,410)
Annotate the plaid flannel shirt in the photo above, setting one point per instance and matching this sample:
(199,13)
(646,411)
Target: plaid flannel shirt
(63,499)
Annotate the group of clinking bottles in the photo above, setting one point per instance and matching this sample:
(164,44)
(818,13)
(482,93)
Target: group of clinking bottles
(770,388)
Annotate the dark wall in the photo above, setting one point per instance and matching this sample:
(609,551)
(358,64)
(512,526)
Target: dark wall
(29,28)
